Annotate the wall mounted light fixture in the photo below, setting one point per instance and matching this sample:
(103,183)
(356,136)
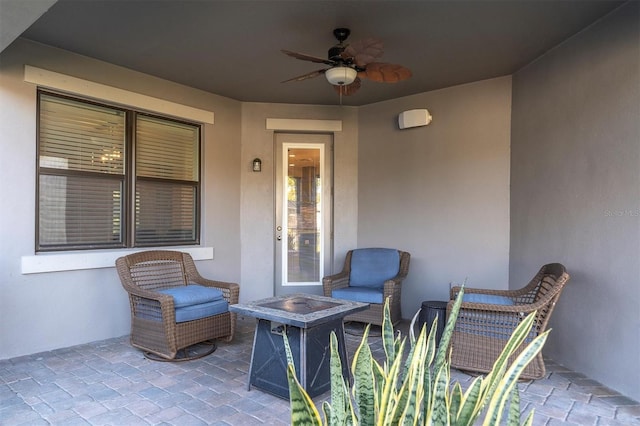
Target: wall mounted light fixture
(257,165)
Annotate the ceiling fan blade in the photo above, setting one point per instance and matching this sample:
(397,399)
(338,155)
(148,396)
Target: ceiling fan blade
(349,89)
(306,76)
(310,58)
(364,51)
(385,73)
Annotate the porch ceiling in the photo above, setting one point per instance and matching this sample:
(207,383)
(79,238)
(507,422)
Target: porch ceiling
(232,48)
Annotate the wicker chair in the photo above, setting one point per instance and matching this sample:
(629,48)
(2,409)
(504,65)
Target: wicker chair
(390,288)
(488,317)
(154,329)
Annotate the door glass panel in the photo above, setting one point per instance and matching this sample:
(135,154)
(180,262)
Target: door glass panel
(303,207)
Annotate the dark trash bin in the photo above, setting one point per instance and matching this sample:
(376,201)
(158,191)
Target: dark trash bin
(428,312)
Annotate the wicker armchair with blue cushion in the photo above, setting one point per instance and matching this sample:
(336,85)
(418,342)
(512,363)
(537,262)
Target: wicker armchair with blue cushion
(488,317)
(370,275)
(173,308)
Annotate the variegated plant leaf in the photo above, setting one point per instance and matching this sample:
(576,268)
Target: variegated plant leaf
(529,420)
(388,399)
(339,396)
(406,392)
(412,390)
(328,414)
(514,408)
(455,401)
(471,404)
(363,380)
(388,340)
(303,411)
(287,350)
(443,345)
(510,378)
(439,406)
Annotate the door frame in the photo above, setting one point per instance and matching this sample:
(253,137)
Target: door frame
(324,141)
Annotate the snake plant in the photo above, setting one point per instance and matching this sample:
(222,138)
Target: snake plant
(416,389)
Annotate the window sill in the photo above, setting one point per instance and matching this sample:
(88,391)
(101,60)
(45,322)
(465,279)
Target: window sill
(79,260)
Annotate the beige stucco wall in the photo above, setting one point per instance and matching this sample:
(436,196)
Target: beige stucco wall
(576,193)
(441,191)
(50,310)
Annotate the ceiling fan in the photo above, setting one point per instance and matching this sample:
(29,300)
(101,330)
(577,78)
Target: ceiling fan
(351,62)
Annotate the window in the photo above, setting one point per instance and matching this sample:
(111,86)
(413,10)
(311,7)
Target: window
(110,177)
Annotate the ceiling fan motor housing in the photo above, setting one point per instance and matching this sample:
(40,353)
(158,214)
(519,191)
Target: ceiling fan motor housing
(335,52)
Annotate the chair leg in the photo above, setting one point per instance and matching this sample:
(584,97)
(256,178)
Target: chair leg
(201,350)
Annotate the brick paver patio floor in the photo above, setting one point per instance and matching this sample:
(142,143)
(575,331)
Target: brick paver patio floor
(111,383)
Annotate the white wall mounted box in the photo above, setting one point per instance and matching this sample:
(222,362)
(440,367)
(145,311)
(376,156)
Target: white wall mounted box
(414,118)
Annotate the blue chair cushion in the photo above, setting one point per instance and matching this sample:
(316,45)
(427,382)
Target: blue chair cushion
(194,301)
(192,294)
(492,299)
(201,310)
(359,294)
(371,267)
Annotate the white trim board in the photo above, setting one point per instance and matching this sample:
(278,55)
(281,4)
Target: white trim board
(296,124)
(67,83)
(57,262)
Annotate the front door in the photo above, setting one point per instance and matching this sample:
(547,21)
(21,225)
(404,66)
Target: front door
(303,227)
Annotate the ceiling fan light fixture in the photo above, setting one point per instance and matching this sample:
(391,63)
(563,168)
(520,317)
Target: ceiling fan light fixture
(341,76)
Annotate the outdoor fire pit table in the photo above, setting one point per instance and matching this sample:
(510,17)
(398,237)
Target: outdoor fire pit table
(308,321)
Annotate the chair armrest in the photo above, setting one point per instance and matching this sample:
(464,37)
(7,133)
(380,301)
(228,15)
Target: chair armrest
(521,308)
(230,291)
(333,282)
(163,299)
(150,304)
(392,285)
(512,294)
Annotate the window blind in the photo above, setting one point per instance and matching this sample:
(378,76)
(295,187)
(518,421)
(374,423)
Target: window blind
(84,176)
(167,169)
(80,136)
(81,174)
(166,149)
